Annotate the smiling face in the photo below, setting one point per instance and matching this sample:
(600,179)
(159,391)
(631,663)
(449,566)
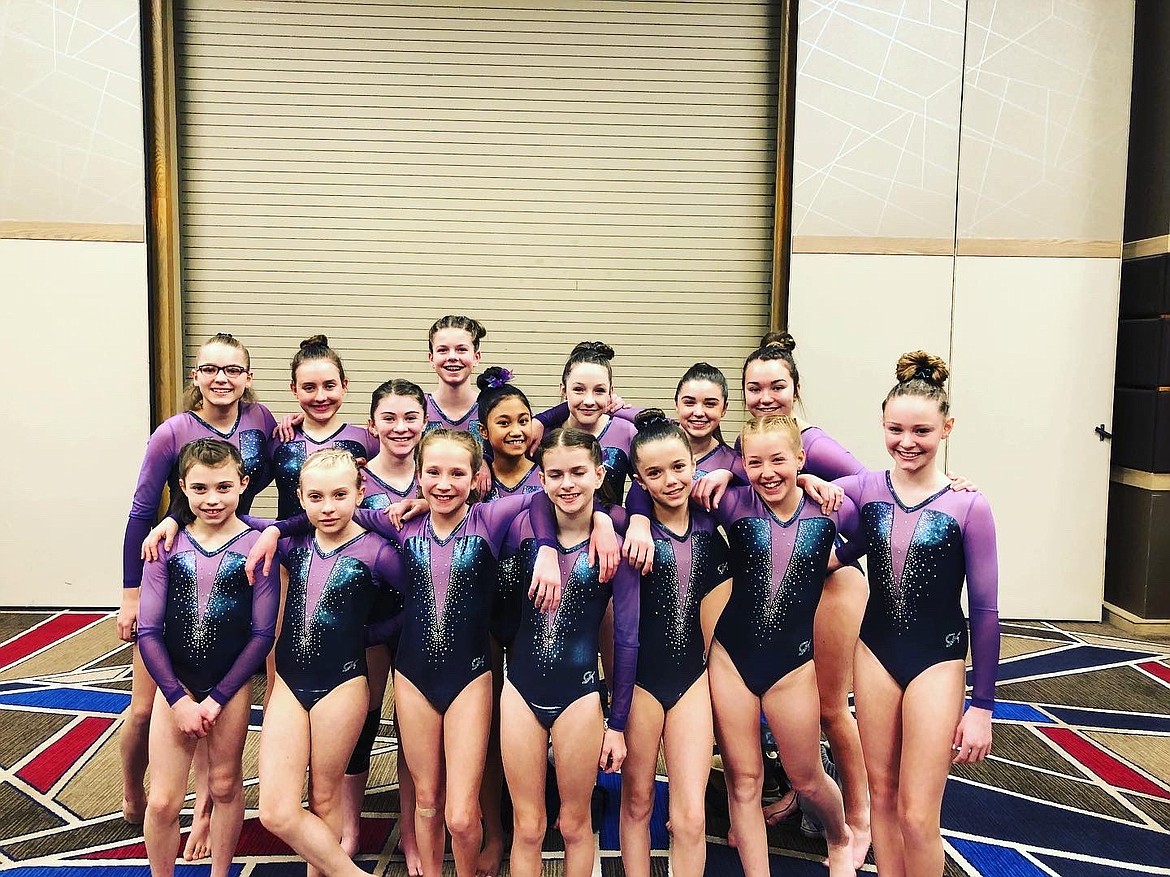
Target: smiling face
(772,464)
(588,391)
(509,427)
(914,428)
(453,356)
(319,390)
(700,406)
(768,388)
(570,478)
(445,475)
(666,468)
(398,423)
(213,492)
(329,495)
(219,388)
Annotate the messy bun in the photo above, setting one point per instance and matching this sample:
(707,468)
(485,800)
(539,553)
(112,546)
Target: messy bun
(921,374)
(653,425)
(471,326)
(316,347)
(593,352)
(494,387)
(783,340)
(775,346)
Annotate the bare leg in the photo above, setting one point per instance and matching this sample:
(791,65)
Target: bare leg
(605,643)
(170,755)
(576,739)
(465,739)
(643,735)
(794,716)
(199,839)
(879,718)
(688,735)
(420,730)
(353,794)
(284,757)
(270,661)
(225,749)
(838,621)
(133,741)
(524,743)
(492,790)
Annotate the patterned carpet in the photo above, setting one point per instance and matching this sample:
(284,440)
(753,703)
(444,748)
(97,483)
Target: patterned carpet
(1078,785)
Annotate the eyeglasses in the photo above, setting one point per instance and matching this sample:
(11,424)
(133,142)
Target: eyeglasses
(231,371)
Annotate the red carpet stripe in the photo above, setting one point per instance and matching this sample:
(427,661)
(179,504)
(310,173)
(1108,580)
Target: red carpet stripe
(52,764)
(1101,763)
(1154,668)
(51,631)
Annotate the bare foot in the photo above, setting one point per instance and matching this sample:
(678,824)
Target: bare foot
(784,810)
(408,846)
(861,841)
(134,808)
(488,863)
(198,843)
(840,860)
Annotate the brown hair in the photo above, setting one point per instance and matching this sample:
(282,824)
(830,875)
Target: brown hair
(193,398)
(316,347)
(398,387)
(654,426)
(456,436)
(472,327)
(570,437)
(769,423)
(775,346)
(210,452)
(593,352)
(921,374)
(331,458)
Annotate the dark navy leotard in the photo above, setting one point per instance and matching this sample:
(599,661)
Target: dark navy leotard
(552,661)
(530,483)
(288,457)
(918,558)
(330,594)
(686,568)
(778,571)
(437,418)
(160,467)
(202,628)
(508,598)
(381,494)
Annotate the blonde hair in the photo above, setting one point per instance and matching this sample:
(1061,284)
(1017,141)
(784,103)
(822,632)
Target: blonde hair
(193,397)
(331,458)
(921,374)
(785,424)
(458,437)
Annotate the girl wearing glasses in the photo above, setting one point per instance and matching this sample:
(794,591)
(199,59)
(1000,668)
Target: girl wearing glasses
(220,405)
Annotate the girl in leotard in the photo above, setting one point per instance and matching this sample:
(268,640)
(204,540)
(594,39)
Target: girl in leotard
(219,404)
(202,632)
(672,701)
(320,698)
(319,385)
(551,689)
(453,351)
(587,387)
(922,539)
(397,419)
(761,655)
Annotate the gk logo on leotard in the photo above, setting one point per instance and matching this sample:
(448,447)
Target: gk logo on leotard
(349,665)
(953,639)
(479,663)
(804,647)
(590,678)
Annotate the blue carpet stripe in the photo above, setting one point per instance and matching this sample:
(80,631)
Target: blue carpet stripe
(1018,712)
(990,859)
(1110,720)
(1077,658)
(1071,868)
(83,700)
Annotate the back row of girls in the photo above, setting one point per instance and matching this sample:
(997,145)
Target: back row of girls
(763,640)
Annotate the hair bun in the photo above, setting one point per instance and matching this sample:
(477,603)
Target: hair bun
(783,340)
(918,365)
(315,341)
(596,348)
(493,377)
(648,418)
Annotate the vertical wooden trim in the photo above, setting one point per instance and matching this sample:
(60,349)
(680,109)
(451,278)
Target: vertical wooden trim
(782,203)
(162,209)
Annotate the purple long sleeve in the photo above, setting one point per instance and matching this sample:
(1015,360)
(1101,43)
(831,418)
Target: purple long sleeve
(825,457)
(152,609)
(265,605)
(553,417)
(162,453)
(855,546)
(543,520)
(626,618)
(979,549)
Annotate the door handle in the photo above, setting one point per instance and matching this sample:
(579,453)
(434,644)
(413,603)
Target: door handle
(1102,433)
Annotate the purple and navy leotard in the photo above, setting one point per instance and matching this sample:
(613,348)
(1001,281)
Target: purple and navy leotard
(687,567)
(202,628)
(615,439)
(778,571)
(288,457)
(381,494)
(552,661)
(918,558)
(437,418)
(530,483)
(250,433)
(330,594)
